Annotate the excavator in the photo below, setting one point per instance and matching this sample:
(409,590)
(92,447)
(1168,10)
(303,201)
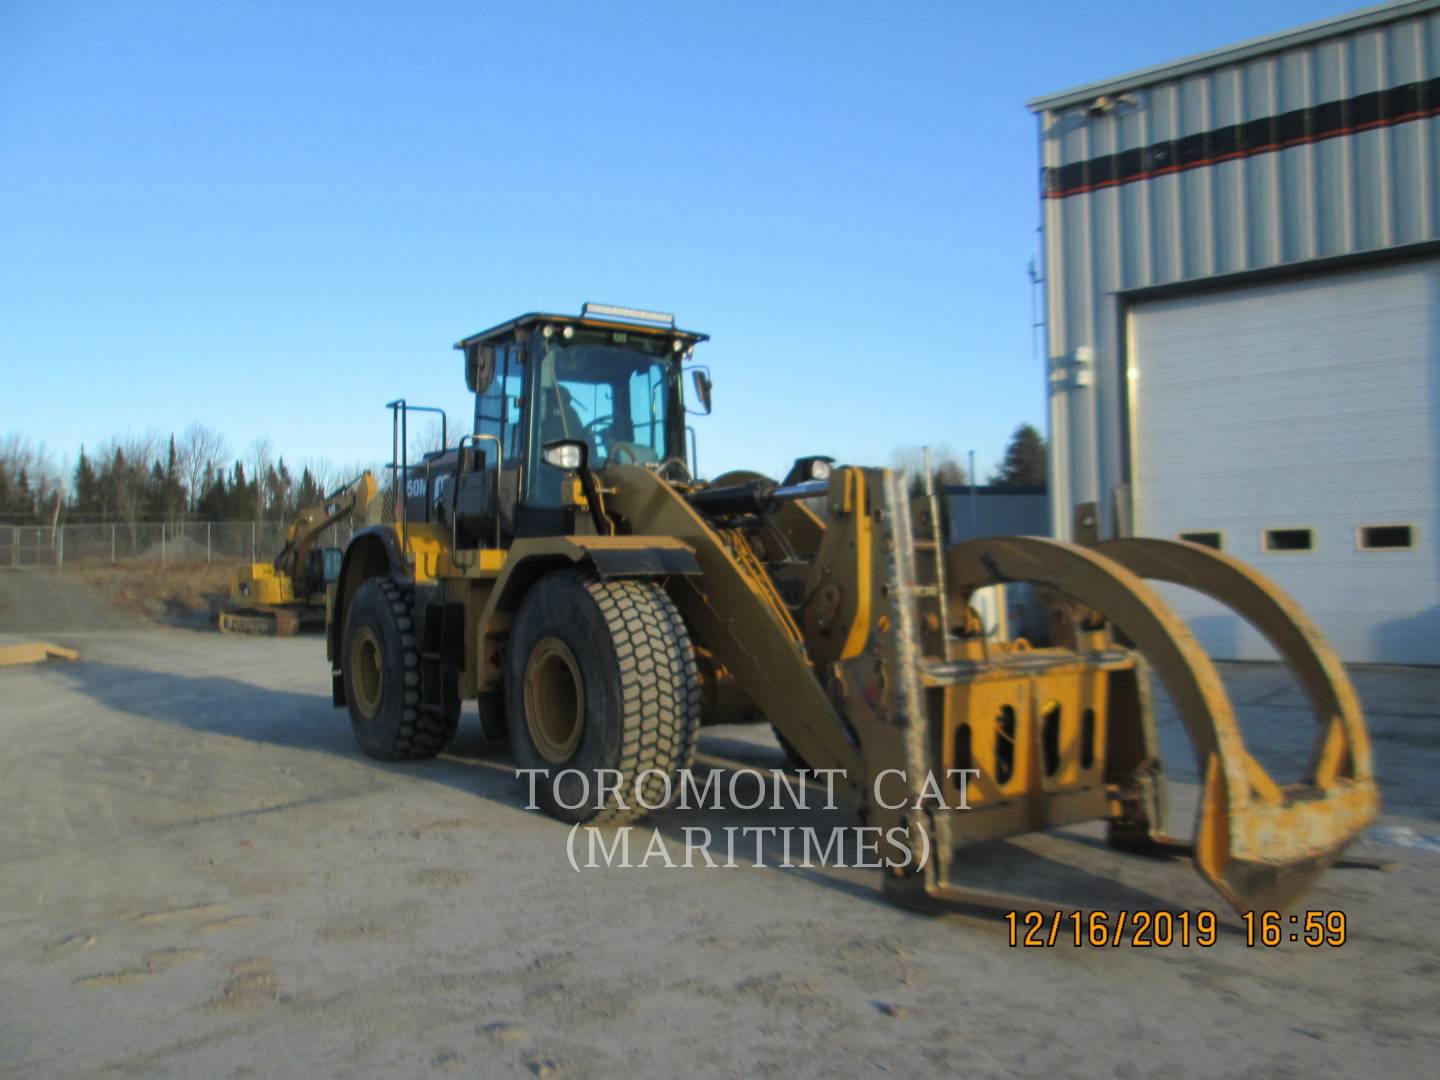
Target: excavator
(563,566)
(280,597)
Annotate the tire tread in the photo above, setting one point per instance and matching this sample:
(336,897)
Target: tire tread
(660,685)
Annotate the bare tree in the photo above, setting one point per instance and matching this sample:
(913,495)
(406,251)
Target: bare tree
(943,463)
(431,437)
(21,458)
(200,452)
(324,474)
(127,465)
(262,459)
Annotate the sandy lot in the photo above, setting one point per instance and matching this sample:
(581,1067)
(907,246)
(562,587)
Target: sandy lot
(201,876)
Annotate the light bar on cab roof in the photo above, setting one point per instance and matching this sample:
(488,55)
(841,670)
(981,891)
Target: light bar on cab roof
(631,314)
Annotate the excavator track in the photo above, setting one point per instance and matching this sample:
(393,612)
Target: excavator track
(259,622)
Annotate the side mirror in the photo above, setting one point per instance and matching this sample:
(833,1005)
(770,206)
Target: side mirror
(480,368)
(703,386)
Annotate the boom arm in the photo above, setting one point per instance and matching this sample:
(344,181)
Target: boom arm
(310,522)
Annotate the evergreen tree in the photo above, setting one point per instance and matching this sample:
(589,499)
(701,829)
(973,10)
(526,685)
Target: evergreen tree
(1024,463)
(115,482)
(276,494)
(153,506)
(87,486)
(308,493)
(173,499)
(242,503)
(214,501)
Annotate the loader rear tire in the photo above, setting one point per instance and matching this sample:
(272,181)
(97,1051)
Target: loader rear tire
(601,675)
(380,666)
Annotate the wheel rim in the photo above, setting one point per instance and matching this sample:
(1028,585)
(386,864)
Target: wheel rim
(367,676)
(554,700)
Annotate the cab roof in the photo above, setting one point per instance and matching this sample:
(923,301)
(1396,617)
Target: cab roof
(610,316)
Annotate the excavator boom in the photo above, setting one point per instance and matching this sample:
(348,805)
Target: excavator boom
(274,598)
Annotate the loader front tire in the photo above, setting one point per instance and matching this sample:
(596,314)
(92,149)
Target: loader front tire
(381,671)
(601,684)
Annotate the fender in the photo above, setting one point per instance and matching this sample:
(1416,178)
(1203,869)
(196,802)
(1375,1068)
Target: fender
(611,556)
(372,552)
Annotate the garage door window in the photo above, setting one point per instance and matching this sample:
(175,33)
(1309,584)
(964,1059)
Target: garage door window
(1386,537)
(1211,539)
(1284,540)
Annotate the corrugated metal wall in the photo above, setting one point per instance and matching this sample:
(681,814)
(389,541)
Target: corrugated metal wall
(996,512)
(1174,184)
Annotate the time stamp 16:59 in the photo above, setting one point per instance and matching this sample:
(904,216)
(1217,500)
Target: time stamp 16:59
(1163,929)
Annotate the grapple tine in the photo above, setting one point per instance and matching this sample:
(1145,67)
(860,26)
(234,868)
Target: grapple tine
(1261,603)
(1267,852)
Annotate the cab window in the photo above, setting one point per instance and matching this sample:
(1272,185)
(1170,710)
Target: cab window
(612,394)
(498,409)
(647,410)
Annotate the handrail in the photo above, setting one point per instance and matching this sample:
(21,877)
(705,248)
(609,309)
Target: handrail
(400,412)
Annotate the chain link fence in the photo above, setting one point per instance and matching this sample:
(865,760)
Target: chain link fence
(28,547)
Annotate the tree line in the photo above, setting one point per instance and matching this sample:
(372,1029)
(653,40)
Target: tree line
(1023,464)
(192,476)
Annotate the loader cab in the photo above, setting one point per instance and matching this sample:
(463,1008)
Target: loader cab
(610,378)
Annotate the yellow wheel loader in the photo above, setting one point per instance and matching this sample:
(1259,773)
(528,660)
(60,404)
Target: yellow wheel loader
(281,596)
(563,567)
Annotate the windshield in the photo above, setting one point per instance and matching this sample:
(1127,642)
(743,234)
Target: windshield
(612,390)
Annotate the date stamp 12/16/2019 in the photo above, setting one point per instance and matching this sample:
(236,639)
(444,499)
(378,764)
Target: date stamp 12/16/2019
(1165,929)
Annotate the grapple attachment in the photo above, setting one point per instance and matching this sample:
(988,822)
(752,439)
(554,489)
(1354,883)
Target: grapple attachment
(1032,738)
(855,637)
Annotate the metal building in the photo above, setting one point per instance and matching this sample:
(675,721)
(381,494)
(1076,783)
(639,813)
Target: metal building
(1243,304)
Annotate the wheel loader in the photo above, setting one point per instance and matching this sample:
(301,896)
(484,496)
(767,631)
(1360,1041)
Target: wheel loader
(279,597)
(564,567)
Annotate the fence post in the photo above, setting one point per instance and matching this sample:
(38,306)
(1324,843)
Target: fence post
(162,543)
(112,543)
(59,547)
(207,543)
(252,541)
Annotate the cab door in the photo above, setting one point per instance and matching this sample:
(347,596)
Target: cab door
(493,465)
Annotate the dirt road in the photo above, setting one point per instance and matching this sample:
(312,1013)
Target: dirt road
(200,875)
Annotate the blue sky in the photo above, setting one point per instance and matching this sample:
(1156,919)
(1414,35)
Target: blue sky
(273,218)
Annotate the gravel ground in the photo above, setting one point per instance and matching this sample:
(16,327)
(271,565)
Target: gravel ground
(200,875)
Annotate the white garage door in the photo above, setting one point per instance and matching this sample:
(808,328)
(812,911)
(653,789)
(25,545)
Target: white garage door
(1300,421)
